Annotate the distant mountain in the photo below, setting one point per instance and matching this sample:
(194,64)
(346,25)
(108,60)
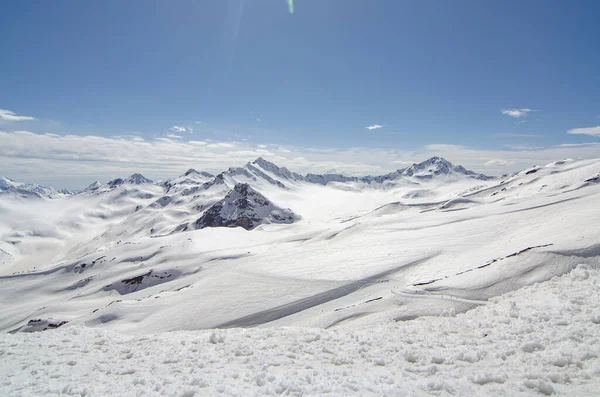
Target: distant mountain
(193,172)
(8,186)
(245,207)
(187,181)
(428,169)
(137,179)
(280,172)
(134,179)
(259,173)
(93,187)
(439,166)
(324,179)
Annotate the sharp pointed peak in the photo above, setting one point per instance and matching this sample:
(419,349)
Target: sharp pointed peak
(134,179)
(93,186)
(264,163)
(190,171)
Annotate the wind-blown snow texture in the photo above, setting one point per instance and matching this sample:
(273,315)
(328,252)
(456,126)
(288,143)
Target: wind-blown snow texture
(540,340)
(375,268)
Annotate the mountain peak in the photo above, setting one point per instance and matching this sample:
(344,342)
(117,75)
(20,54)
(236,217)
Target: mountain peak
(439,166)
(93,187)
(435,160)
(190,171)
(7,182)
(9,186)
(245,207)
(193,172)
(266,165)
(280,172)
(137,179)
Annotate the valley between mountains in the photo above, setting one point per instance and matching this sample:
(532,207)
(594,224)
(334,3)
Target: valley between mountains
(263,246)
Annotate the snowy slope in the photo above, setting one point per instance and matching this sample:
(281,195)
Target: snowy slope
(540,340)
(357,253)
(359,264)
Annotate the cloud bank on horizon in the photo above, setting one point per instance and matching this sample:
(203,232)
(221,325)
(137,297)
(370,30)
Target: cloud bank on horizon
(76,160)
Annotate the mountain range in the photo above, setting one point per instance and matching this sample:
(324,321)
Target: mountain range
(262,245)
(233,198)
(259,168)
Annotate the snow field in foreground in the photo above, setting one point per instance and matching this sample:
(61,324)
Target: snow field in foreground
(540,340)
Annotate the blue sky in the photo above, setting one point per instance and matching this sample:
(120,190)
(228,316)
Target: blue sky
(430,73)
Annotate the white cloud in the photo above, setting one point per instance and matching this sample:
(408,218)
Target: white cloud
(497,163)
(7,115)
(402,162)
(517,135)
(586,144)
(178,129)
(523,147)
(517,113)
(173,136)
(593,131)
(374,127)
(83,159)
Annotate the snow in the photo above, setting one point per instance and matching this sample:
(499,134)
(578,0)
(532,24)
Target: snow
(244,206)
(435,283)
(552,346)
(14,189)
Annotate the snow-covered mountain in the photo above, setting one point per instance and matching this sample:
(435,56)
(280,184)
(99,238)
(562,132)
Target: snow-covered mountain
(9,186)
(134,179)
(261,246)
(260,171)
(244,207)
(93,187)
(413,228)
(439,166)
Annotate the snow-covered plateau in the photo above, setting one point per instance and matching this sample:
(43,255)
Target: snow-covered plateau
(431,280)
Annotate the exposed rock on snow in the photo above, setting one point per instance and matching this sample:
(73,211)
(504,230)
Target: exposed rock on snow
(115,183)
(142,281)
(245,207)
(193,172)
(134,179)
(38,325)
(137,179)
(594,179)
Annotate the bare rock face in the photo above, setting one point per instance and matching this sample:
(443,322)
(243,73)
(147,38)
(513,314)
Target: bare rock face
(244,207)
